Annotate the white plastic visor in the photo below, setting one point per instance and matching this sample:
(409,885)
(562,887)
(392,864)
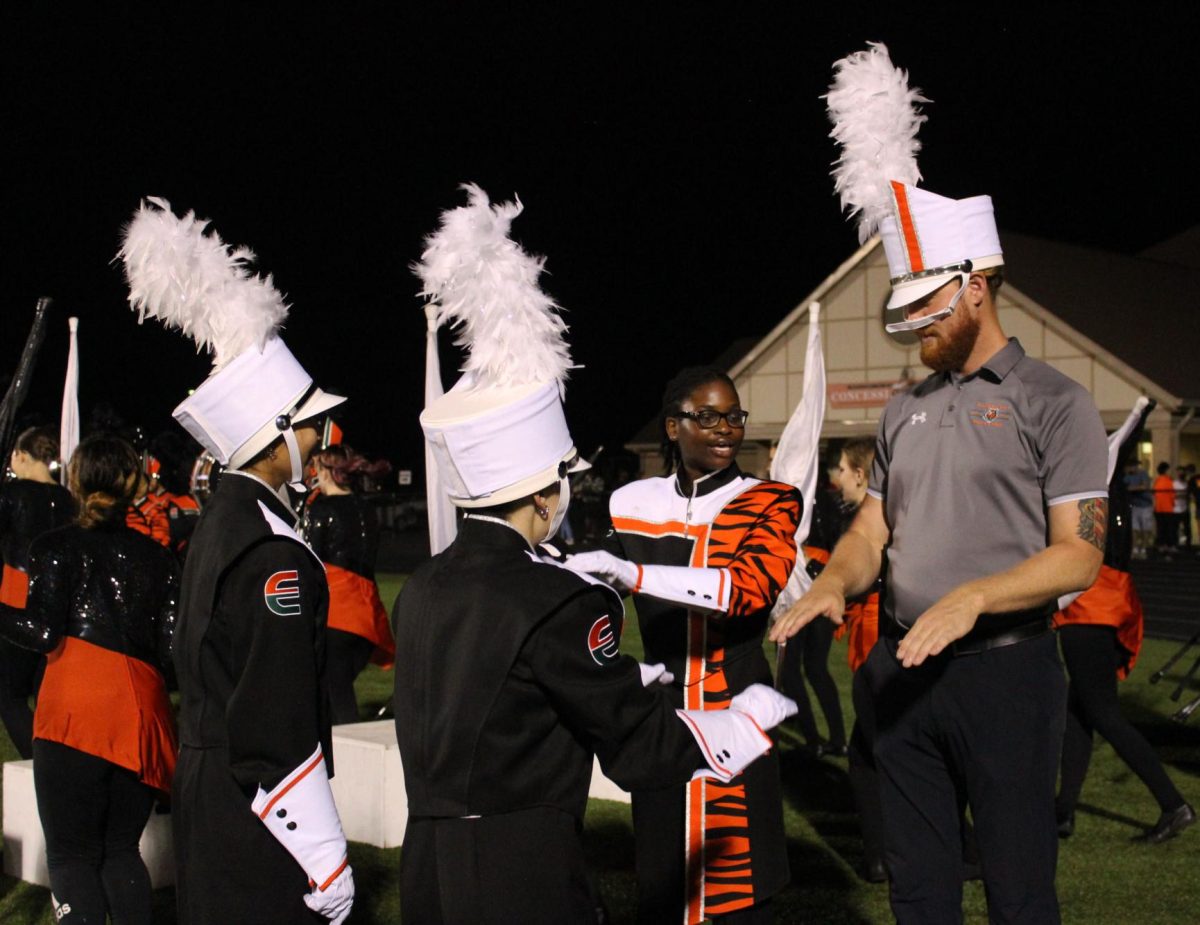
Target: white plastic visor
(915,324)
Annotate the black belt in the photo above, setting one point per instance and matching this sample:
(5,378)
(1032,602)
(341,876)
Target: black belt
(1000,640)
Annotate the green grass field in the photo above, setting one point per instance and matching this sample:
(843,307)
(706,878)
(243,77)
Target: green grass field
(1102,876)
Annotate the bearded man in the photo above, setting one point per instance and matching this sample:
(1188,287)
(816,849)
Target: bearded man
(988,499)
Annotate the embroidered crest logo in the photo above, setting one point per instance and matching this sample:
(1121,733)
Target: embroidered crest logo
(282,593)
(918,418)
(602,641)
(988,414)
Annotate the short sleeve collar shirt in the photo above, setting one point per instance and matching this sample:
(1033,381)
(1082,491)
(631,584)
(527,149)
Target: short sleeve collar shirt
(967,466)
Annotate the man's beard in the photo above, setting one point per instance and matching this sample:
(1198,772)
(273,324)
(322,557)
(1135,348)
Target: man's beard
(948,350)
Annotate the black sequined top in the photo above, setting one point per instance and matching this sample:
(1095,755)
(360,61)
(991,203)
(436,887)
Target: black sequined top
(343,530)
(108,586)
(27,510)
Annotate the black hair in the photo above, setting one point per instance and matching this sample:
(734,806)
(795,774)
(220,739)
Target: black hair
(686,381)
(1164,467)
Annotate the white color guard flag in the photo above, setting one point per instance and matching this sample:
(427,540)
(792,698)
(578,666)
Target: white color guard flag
(798,454)
(442,524)
(68,434)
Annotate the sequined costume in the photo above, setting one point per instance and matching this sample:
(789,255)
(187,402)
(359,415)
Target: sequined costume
(250,653)
(28,509)
(722,844)
(343,530)
(102,606)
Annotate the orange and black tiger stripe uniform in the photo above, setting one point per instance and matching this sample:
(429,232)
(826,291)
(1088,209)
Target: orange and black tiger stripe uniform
(711,849)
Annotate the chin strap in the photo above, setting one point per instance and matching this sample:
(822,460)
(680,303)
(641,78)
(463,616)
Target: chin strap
(297,479)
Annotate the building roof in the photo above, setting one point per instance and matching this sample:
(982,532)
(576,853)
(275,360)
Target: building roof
(1142,310)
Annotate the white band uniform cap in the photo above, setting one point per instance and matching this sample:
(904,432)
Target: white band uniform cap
(495,444)
(236,412)
(928,238)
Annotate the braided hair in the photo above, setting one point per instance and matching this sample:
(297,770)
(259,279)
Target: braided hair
(686,381)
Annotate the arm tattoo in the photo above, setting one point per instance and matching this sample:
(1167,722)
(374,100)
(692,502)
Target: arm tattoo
(1093,521)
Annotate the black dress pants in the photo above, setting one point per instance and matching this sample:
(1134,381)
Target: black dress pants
(987,726)
(346,655)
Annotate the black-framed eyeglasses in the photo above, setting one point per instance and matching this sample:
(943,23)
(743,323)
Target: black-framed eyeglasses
(709,418)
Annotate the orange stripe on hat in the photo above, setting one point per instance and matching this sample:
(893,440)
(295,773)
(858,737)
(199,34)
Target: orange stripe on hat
(909,230)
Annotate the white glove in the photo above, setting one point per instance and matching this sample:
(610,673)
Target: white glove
(335,900)
(656,672)
(764,705)
(301,814)
(620,573)
(731,739)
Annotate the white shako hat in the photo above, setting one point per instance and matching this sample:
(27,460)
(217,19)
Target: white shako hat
(192,281)
(500,433)
(928,239)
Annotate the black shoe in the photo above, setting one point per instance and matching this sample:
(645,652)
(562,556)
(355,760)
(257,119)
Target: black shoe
(1066,826)
(874,871)
(1169,825)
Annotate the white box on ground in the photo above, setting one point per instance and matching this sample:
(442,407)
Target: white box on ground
(368,783)
(25,846)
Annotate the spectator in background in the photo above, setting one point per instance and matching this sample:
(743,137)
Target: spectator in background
(1141,506)
(1183,522)
(1193,491)
(1167,538)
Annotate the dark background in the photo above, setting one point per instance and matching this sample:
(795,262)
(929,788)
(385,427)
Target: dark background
(673,165)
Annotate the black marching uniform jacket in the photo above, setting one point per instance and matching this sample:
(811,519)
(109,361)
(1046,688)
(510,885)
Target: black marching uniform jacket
(249,654)
(512,679)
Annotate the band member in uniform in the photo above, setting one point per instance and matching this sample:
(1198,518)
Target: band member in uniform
(343,530)
(257,836)
(987,498)
(102,602)
(1101,636)
(29,506)
(705,551)
(513,675)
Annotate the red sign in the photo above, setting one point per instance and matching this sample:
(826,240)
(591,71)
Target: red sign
(864,394)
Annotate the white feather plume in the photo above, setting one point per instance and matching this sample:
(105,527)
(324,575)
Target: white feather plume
(192,281)
(875,120)
(485,286)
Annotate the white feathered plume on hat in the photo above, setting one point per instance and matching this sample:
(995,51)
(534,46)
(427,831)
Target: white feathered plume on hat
(193,281)
(485,286)
(875,120)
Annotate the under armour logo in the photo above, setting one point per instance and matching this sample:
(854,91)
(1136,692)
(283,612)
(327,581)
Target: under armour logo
(918,418)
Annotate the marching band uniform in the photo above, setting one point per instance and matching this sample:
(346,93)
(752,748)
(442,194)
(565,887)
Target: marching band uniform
(515,674)
(28,509)
(249,656)
(733,535)
(255,824)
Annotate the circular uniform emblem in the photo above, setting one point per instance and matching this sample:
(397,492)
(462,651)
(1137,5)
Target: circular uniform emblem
(602,642)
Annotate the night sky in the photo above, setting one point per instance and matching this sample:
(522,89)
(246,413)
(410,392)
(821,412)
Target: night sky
(674,170)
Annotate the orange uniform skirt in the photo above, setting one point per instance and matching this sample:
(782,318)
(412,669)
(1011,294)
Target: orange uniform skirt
(355,607)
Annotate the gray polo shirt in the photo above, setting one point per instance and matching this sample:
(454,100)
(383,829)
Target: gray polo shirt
(966,467)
